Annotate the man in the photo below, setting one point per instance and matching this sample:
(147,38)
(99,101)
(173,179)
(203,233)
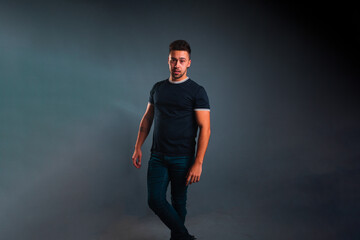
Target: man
(180,106)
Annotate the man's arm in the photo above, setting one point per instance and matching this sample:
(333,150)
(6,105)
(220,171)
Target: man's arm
(144,129)
(203,120)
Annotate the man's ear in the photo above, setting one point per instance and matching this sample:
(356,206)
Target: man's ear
(189,63)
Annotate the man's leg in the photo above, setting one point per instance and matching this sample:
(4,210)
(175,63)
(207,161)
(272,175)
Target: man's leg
(178,169)
(157,182)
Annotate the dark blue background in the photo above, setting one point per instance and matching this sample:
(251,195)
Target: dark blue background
(283,159)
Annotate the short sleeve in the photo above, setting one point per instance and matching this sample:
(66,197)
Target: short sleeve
(151,97)
(201,100)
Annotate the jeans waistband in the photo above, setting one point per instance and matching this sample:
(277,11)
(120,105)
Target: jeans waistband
(163,156)
(158,154)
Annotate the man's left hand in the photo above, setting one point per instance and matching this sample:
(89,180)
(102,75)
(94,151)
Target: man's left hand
(194,173)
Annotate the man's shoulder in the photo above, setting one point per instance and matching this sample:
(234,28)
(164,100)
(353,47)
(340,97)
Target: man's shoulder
(156,85)
(194,85)
(159,83)
(162,81)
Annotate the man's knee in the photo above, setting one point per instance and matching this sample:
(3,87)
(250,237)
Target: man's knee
(156,203)
(179,198)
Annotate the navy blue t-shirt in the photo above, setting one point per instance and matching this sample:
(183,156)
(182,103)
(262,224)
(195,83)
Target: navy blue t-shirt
(175,126)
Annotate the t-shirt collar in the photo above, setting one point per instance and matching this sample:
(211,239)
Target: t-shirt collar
(177,82)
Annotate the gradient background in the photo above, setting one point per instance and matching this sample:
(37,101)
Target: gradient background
(283,158)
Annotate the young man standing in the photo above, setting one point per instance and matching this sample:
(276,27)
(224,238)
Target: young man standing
(180,106)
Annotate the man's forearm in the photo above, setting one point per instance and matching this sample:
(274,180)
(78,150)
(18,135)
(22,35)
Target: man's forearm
(144,130)
(204,136)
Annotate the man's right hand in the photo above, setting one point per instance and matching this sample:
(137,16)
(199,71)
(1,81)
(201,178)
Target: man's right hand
(136,158)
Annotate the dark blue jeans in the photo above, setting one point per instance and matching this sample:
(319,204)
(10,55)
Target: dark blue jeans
(163,169)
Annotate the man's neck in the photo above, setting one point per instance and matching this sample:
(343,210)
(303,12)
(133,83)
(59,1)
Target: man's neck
(179,79)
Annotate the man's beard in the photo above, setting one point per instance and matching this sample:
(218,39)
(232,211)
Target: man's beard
(181,74)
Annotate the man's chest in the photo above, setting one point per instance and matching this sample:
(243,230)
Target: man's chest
(173,98)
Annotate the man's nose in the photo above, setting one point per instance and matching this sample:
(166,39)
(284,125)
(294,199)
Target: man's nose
(177,63)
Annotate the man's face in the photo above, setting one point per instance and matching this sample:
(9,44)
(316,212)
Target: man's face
(178,63)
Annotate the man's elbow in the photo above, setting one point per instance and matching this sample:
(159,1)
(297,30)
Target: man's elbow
(205,128)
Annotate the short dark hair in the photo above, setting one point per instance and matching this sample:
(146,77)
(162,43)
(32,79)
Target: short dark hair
(181,45)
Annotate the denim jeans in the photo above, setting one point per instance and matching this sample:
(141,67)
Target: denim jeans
(163,169)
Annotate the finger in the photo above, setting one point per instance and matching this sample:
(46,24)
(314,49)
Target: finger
(136,162)
(192,179)
(187,181)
